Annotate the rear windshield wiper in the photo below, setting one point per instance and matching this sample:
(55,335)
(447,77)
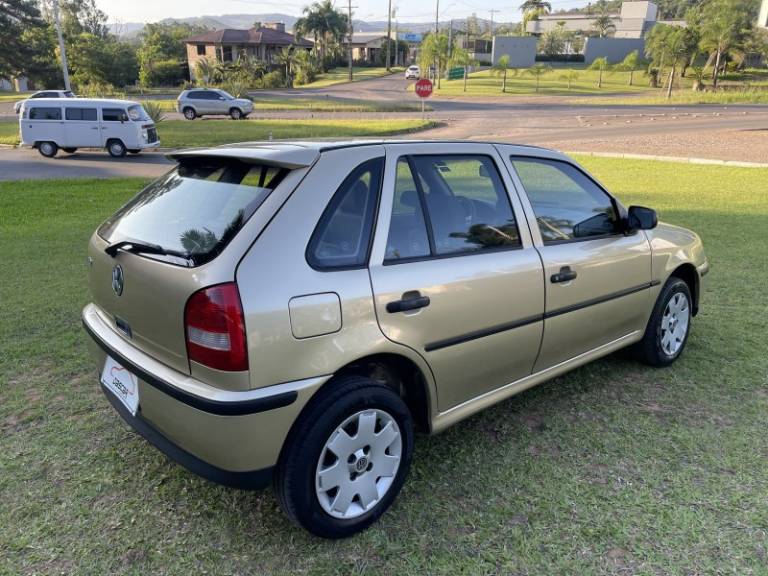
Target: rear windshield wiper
(137,247)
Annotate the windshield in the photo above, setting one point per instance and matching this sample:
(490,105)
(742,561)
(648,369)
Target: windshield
(194,210)
(69,94)
(137,113)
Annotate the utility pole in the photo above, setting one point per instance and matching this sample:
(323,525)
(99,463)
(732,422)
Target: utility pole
(492,11)
(389,35)
(62,49)
(397,46)
(349,47)
(437,16)
(450,38)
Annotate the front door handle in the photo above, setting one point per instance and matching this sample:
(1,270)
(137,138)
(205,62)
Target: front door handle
(411,301)
(565,275)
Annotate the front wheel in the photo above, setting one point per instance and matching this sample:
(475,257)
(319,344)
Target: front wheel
(346,458)
(667,331)
(48,149)
(236,113)
(116,148)
(190,114)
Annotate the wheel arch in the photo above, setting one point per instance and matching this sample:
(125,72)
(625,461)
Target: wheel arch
(688,273)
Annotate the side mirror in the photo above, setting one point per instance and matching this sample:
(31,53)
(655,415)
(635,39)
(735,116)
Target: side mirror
(641,218)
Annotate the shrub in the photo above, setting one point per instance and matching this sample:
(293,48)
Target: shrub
(155,111)
(274,79)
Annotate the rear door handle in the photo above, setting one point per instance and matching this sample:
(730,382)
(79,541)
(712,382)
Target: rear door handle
(565,275)
(411,301)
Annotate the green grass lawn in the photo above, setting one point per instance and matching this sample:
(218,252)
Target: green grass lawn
(486,83)
(269,104)
(341,74)
(688,97)
(13,96)
(183,133)
(615,468)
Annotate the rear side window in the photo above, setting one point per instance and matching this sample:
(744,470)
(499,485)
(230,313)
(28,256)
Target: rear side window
(342,238)
(39,113)
(567,204)
(196,209)
(467,208)
(114,115)
(80,113)
(407,228)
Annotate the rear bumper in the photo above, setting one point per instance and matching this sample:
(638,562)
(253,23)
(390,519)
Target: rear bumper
(230,437)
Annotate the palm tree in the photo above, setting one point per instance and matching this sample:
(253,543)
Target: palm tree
(630,64)
(602,23)
(601,65)
(461,57)
(569,76)
(537,71)
(325,23)
(529,5)
(501,68)
(287,58)
(204,71)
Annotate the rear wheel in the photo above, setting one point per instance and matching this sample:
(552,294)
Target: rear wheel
(667,331)
(346,458)
(70,150)
(189,113)
(116,148)
(236,113)
(48,149)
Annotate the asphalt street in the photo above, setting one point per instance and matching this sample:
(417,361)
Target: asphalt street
(526,120)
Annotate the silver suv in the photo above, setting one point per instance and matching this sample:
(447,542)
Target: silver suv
(291,312)
(210,102)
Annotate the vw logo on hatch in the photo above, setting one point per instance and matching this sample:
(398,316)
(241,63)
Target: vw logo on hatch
(117,279)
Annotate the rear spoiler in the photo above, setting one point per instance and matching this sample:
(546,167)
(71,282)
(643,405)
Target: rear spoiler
(282,155)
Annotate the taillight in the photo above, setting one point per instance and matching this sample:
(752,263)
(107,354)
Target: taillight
(216,328)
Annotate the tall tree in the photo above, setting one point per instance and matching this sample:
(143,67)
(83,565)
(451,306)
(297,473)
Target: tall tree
(602,21)
(601,65)
(16,16)
(324,23)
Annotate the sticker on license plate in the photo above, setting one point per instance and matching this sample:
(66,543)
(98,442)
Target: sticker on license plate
(122,384)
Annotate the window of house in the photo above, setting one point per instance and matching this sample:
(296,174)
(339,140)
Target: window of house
(201,50)
(568,205)
(342,238)
(226,53)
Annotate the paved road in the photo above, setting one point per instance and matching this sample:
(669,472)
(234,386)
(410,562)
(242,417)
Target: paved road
(570,123)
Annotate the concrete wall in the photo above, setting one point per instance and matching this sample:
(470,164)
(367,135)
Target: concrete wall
(762,20)
(615,49)
(520,49)
(193,57)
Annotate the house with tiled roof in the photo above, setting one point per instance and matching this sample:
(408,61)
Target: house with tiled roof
(229,44)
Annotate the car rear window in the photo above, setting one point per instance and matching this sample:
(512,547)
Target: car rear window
(196,209)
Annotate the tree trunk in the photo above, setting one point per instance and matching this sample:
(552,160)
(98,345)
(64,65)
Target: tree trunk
(465,78)
(671,79)
(631,73)
(504,82)
(600,78)
(716,69)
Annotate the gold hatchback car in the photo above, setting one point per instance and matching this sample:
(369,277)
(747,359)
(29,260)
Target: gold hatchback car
(294,311)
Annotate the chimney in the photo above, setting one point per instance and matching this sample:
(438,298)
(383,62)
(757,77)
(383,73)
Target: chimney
(279,26)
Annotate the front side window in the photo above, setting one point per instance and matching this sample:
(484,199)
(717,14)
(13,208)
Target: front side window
(467,206)
(195,210)
(343,235)
(567,204)
(114,115)
(80,113)
(40,113)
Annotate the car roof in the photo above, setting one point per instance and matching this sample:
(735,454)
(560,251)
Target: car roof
(70,101)
(297,154)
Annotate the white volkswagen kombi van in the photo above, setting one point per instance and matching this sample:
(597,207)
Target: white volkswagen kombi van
(120,126)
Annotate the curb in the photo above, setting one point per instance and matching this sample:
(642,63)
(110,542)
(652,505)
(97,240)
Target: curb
(679,159)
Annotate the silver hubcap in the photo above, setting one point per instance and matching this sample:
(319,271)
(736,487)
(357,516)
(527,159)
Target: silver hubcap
(47,148)
(116,149)
(358,464)
(189,114)
(674,324)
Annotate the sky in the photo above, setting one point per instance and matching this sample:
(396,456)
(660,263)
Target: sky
(406,10)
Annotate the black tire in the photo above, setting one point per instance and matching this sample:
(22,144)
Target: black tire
(48,149)
(116,148)
(135,151)
(236,113)
(70,150)
(650,350)
(189,113)
(294,479)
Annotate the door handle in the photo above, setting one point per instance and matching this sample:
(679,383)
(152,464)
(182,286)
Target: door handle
(411,301)
(565,275)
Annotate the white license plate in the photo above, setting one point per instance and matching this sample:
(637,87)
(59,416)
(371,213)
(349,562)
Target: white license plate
(122,384)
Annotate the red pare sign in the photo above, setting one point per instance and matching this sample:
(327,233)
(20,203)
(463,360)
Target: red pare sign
(423,88)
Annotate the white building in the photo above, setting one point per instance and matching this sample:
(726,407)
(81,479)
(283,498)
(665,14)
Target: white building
(762,20)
